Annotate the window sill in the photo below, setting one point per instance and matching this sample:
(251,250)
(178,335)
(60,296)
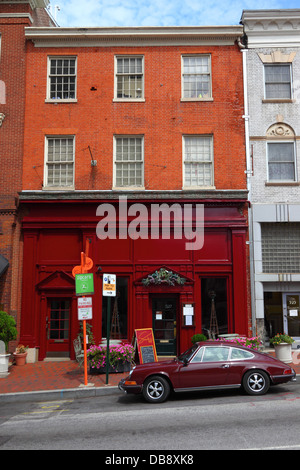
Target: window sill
(126,100)
(193,188)
(195,99)
(58,188)
(128,188)
(56,101)
(278,100)
(283,183)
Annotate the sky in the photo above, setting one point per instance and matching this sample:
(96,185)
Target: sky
(103,13)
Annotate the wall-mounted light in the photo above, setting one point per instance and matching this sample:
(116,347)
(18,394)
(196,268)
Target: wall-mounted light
(93,162)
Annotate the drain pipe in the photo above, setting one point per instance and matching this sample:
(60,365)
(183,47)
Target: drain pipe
(249,172)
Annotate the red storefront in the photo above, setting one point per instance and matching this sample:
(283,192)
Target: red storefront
(55,232)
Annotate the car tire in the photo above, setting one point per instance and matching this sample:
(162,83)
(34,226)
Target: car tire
(156,389)
(256,382)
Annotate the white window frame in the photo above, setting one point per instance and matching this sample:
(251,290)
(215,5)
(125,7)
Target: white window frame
(126,99)
(57,99)
(47,164)
(200,97)
(278,181)
(286,64)
(185,161)
(131,187)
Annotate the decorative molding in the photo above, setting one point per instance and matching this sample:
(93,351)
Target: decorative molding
(280,129)
(277,57)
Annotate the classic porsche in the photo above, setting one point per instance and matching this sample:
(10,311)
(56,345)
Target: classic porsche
(208,365)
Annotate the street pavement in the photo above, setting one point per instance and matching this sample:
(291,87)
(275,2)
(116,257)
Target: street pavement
(49,380)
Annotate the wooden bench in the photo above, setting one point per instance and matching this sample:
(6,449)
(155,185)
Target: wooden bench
(78,350)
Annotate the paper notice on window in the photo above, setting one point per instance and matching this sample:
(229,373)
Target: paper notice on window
(188,320)
(293,313)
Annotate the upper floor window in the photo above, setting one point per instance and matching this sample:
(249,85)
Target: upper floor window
(129,78)
(281,161)
(198,161)
(278,81)
(62,78)
(196,77)
(129,162)
(59,162)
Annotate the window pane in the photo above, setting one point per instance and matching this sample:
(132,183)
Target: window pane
(62,78)
(129,161)
(196,77)
(278,81)
(215,354)
(281,161)
(60,162)
(129,77)
(198,161)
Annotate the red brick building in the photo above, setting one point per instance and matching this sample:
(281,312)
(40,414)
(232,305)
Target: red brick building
(152,116)
(14,17)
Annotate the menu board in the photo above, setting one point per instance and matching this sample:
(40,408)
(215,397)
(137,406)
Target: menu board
(143,341)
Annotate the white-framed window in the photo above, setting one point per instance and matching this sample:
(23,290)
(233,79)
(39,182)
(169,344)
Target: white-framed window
(129,77)
(196,77)
(278,81)
(281,161)
(59,162)
(128,161)
(198,161)
(62,77)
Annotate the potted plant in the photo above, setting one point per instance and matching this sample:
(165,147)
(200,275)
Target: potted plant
(283,347)
(198,337)
(8,330)
(120,358)
(20,355)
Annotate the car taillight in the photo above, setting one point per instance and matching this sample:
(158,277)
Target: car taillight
(287,371)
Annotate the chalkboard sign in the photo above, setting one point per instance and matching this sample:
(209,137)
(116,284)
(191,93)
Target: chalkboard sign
(143,342)
(147,353)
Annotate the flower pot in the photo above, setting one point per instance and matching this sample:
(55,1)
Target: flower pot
(20,359)
(283,352)
(4,364)
(119,369)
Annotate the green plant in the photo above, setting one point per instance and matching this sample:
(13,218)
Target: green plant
(198,337)
(88,332)
(163,276)
(281,338)
(8,330)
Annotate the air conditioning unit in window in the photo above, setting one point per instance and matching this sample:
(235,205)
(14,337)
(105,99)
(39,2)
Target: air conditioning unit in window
(296,344)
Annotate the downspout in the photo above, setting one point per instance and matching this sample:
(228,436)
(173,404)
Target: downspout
(248,172)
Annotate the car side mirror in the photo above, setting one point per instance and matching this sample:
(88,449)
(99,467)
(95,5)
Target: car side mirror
(185,361)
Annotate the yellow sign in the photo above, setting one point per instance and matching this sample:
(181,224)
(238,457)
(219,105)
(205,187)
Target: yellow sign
(109,285)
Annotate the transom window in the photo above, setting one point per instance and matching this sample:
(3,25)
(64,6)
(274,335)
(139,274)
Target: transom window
(196,77)
(62,78)
(198,161)
(129,78)
(59,170)
(281,161)
(129,156)
(278,81)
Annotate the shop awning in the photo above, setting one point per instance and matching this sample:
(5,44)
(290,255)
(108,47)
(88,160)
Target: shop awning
(3,264)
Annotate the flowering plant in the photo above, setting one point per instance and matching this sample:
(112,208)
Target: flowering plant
(163,276)
(21,349)
(281,338)
(118,354)
(251,343)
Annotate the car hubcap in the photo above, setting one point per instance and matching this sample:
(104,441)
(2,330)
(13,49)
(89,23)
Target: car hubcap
(256,382)
(155,389)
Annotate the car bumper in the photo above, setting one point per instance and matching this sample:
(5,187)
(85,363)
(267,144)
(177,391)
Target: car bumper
(279,379)
(124,386)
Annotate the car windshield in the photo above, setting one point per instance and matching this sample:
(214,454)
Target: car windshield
(186,355)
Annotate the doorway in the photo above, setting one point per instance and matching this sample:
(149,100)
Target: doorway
(291,317)
(164,315)
(58,327)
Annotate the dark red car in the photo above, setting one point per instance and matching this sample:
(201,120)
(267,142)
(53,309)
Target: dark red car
(208,365)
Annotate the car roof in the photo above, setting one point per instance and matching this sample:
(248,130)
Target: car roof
(217,342)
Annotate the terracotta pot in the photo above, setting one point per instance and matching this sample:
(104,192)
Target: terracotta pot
(20,359)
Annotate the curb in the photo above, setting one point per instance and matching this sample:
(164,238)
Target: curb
(80,392)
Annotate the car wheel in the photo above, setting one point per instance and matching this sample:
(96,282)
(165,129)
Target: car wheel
(156,389)
(256,382)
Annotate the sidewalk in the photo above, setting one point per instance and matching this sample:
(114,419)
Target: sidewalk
(60,380)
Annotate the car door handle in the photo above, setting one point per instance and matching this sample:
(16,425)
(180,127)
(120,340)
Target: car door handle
(225,366)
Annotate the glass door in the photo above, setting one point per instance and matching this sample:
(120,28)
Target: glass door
(58,325)
(164,311)
(291,316)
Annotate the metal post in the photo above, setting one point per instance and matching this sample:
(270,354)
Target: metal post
(107,337)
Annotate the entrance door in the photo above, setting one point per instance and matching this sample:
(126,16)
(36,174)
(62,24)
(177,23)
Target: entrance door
(164,310)
(291,315)
(58,326)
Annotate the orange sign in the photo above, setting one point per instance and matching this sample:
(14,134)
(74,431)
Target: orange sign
(144,341)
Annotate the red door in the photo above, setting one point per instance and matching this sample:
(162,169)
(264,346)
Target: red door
(58,325)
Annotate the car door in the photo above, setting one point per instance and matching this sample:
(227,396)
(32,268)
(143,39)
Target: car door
(209,367)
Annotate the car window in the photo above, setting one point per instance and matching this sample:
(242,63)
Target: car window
(214,354)
(188,354)
(198,355)
(240,354)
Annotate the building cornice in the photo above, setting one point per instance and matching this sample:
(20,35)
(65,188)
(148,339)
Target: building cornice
(80,37)
(33,3)
(272,28)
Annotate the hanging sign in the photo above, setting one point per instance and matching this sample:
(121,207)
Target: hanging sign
(85,309)
(143,341)
(109,285)
(84,284)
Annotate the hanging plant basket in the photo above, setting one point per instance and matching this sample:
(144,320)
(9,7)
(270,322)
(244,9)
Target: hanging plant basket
(163,276)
